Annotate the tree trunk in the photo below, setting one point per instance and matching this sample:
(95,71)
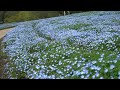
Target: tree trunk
(3,13)
(64,13)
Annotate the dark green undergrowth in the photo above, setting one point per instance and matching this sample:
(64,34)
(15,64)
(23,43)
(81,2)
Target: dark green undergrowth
(75,27)
(3,60)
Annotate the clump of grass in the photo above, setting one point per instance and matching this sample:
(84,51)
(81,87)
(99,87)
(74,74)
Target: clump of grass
(3,61)
(39,33)
(113,31)
(75,27)
(53,22)
(87,13)
(115,20)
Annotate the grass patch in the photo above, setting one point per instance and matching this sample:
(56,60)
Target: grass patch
(39,33)
(54,22)
(74,27)
(87,13)
(3,60)
(113,31)
(117,21)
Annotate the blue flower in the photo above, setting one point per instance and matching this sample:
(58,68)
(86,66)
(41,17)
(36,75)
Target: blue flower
(119,77)
(112,66)
(101,78)
(97,74)
(93,77)
(119,73)
(82,76)
(115,61)
(94,62)
(106,70)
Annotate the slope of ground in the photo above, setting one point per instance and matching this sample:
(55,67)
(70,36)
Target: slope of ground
(4,32)
(83,45)
(3,57)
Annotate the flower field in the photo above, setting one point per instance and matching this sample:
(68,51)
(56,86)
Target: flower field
(77,46)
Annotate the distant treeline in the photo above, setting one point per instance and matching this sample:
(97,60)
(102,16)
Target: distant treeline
(18,16)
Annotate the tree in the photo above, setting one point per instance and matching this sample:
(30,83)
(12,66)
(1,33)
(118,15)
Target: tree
(3,16)
(19,16)
(66,12)
(16,16)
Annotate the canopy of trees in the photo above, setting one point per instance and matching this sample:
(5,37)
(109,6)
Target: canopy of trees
(17,16)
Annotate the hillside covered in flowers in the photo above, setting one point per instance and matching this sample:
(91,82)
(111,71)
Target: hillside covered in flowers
(77,46)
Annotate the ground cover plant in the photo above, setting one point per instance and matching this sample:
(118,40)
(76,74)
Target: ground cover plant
(77,46)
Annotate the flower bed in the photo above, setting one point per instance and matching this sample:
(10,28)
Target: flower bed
(76,46)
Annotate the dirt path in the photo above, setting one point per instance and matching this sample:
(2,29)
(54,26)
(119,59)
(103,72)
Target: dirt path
(4,32)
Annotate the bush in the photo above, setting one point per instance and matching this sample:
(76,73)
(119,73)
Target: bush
(21,16)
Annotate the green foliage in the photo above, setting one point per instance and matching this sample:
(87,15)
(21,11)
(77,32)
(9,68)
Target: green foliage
(17,16)
(29,15)
(21,16)
(117,21)
(3,61)
(76,26)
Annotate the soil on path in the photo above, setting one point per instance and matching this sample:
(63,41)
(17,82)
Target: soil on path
(4,32)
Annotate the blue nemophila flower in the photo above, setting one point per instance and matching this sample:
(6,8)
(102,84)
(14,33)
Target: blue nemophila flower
(108,61)
(82,72)
(85,71)
(53,76)
(111,61)
(75,58)
(77,73)
(69,67)
(42,66)
(87,75)
(119,73)
(51,67)
(115,61)
(85,78)
(93,77)
(97,74)
(100,59)
(112,77)
(97,53)
(61,77)
(78,64)
(106,70)
(92,67)
(112,66)
(118,57)
(68,75)
(119,77)
(82,76)
(75,62)
(77,48)
(102,55)
(52,56)
(83,59)
(58,71)
(60,63)
(101,78)
(37,67)
(93,62)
